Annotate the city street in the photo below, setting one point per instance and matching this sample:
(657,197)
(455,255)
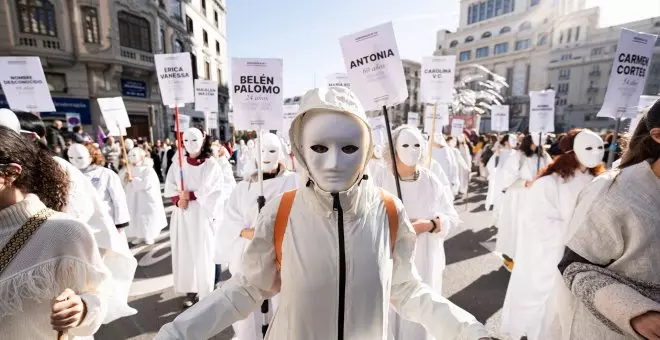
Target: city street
(474,279)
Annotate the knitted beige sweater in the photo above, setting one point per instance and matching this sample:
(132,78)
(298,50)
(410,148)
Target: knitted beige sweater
(61,254)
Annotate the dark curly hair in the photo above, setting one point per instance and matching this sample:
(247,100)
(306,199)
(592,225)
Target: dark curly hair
(566,163)
(41,174)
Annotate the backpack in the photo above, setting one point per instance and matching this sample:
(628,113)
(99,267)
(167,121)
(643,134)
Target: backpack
(284,209)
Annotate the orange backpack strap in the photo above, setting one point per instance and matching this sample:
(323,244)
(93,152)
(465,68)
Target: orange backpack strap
(281,221)
(392,216)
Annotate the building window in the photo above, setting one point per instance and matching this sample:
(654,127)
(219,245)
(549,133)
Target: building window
(161,3)
(465,55)
(56,82)
(205,38)
(482,11)
(190,26)
(207,70)
(453,43)
(543,39)
(501,48)
(568,35)
(562,88)
(525,26)
(216,19)
(482,52)
(469,39)
(614,48)
(522,44)
(534,3)
(204,6)
(567,56)
(505,29)
(490,9)
(596,51)
(178,46)
(90,24)
(564,73)
(561,37)
(577,33)
(162,41)
(219,76)
(134,32)
(37,17)
(217,47)
(486,35)
(176,10)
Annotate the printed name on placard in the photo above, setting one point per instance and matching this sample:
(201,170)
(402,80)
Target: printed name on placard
(255,84)
(174,73)
(372,57)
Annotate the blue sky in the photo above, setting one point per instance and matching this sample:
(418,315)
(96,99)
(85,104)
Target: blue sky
(305,33)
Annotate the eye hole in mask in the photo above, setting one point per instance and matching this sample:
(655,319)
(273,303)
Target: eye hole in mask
(600,147)
(405,145)
(349,149)
(589,148)
(271,151)
(416,145)
(319,148)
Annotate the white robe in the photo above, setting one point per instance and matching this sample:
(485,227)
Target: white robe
(145,202)
(548,209)
(515,172)
(495,194)
(424,198)
(447,160)
(108,185)
(464,166)
(436,169)
(241,212)
(192,229)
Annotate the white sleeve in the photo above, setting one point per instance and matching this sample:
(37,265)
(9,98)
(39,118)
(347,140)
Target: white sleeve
(230,240)
(443,205)
(118,196)
(172,186)
(417,302)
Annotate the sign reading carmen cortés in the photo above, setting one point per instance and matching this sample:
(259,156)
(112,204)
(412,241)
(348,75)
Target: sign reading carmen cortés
(257,92)
(175,78)
(24,84)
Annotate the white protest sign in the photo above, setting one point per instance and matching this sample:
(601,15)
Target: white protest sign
(628,76)
(175,78)
(437,79)
(457,126)
(72,119)
(115,115)
(499,118)
(541,111)
(290,112)
(338,80)
(378,129)
(374,67)
(257,92)
(24,84)
(184,122)
(413,118)
(441,117)
(206,95)
(210,120)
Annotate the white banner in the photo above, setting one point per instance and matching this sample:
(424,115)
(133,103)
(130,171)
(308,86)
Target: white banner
(210,120)
(378,129)
(541,111)
(184,122)
(115,115)
(257,92)
(374,67)
(628,76)
(72,119)
(338,80)
(206,95)
(175,78)
(290,112)
(413,118)
(441,117)
(24,84)
(457,126)
(499,118)
(437,79)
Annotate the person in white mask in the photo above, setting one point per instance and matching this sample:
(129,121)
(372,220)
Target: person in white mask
(464,166)
(444,155)
(432,216)
(329,254)
(198,204)
(376,164)
(107,183)
(237,227)
(549,206)
(145,203)
(241,157)
(221,155)
(504,149)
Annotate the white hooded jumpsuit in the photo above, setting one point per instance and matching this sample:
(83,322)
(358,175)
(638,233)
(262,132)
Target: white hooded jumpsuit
(328,289)
(445,156)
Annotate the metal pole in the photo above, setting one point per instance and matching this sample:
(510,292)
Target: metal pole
(389,138)
(261,201)
(539,147)
(432,137)
(610,156)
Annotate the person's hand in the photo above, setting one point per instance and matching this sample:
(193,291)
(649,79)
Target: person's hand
(182,203)
(184,195)
(528,184)
(68,311)
(647,325)
(128,178)
(421,225)
(247,233)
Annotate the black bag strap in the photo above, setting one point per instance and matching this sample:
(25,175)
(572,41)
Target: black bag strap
(22,236)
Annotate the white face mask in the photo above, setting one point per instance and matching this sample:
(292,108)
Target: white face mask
(409,147)
(215,150)
(588,148)
(79,156)
(136,156)
(334,157)
(271,149)
(250,144)
(452,142)
(129,144)
(193,140)
(378,151)
(513,141)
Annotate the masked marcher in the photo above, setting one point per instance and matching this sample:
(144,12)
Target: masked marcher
(145,203)
(337,272)
(463,165)
(549,206)
(237,227)
(191,225)
(52,277)
(517,176)
(503,149)
(221,155)
(432,216)
(241,156)
(444,155)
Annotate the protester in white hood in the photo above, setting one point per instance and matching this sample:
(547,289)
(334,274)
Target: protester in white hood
(548,209)
(503,150)
(329,253)
(237,227)
(445,156)
(198,204)
(464,165)
(143,198)
(432,216)
(221,154)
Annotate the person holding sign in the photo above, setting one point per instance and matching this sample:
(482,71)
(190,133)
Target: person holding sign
(236,230)
(432,215)
(338,250)
(199,203)
(549,206)
(143,198)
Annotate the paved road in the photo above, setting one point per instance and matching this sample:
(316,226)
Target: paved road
(474,278)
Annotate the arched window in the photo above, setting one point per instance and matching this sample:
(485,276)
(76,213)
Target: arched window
(543,39)
(90,24)
(36,17)
(505,29)
(454,43)
(469,39)
(525,26)
(486,35)
(134,31)
(178,46)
